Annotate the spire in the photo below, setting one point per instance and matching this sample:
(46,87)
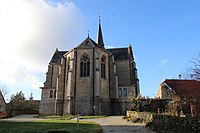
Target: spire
(99,35)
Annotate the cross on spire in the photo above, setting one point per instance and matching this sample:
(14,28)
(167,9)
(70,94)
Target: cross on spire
(99,18)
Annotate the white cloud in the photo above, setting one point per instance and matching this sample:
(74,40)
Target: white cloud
(162,62)
(109,46)
(30,30)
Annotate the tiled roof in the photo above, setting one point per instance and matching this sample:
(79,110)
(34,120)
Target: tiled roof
(57,57)
(184,88)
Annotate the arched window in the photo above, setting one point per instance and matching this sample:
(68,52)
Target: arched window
(54,94)
(120,92)
(85,66)
(51,94)
(103,67)
(125,92)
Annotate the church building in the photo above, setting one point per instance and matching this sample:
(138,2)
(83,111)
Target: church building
(90,79)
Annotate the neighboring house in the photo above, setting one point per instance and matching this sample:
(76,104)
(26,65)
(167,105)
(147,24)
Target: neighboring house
(3,112)
(90,79)
(2,103)
(187,90)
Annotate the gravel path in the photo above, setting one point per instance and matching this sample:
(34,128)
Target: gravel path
(21,118)
(115,124)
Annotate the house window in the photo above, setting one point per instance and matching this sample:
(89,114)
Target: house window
(85,66)
(103,67)
(125,92)
(51,94)
(54,95)
(120,92)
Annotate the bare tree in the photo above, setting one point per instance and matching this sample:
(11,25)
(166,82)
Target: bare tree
(195,69)
(193,72)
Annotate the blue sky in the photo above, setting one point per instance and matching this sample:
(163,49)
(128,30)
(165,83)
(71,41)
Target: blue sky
(164,35)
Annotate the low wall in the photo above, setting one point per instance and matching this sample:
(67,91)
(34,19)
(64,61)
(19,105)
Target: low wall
(15,112)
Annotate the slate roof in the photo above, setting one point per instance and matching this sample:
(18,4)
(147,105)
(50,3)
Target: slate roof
(57,56)
(120,53)
(184,88)
(89,43)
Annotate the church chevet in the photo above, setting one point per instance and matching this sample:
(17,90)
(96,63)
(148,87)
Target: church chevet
(90,79)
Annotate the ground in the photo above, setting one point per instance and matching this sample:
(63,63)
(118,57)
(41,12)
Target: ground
(111,124)
(115,124)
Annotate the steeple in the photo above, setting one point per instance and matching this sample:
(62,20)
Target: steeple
(99,35)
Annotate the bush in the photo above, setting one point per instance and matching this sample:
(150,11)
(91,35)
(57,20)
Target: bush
(164,123)
(139,117)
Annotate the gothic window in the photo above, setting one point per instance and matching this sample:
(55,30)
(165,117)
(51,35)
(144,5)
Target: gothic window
(125,92)
(103,67)
(85,66)
(54,95)
(51,94)
(120,92)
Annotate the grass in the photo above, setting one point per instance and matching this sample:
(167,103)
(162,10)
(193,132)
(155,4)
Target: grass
(45,126)
(65,117)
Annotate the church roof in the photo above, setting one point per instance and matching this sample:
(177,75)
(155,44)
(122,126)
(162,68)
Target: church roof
(57,56)
(89,43)
(121,53)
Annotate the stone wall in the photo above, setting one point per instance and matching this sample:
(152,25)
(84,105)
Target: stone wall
(123,72)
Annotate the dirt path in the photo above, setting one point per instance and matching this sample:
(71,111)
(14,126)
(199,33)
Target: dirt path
(115,124)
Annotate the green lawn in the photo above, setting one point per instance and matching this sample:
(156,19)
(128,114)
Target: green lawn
(44,126)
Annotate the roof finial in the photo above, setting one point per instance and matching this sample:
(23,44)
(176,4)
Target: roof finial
(99,18)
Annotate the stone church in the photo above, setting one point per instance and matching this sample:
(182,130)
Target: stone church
(90,79)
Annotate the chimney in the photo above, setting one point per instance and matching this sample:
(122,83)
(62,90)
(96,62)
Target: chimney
(179,76)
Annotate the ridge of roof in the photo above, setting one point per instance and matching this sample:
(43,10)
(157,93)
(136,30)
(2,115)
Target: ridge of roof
(180,80)
(88,43)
